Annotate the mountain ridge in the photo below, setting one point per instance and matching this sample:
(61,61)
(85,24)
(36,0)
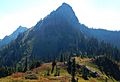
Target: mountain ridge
(56,34)
(52,34)
(9,38)
(112,37)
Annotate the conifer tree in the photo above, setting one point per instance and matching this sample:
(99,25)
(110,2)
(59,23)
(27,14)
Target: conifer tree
(73,70)
(53,66)
(26,65)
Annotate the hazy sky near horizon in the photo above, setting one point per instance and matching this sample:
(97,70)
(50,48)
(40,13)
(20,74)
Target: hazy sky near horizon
(103,14)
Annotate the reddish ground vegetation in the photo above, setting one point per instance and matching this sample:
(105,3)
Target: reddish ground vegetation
(17,74)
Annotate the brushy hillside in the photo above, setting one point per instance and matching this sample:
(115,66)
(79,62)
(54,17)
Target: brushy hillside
(43,73)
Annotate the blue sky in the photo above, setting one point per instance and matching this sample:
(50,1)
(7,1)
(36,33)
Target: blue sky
(103,14)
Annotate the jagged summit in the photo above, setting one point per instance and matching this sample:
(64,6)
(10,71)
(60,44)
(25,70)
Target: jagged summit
(65,6)
(62,15)
(67,12)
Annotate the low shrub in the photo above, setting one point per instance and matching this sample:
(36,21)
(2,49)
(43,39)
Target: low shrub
(31,76)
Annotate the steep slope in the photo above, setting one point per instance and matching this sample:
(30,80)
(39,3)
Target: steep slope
(7,39)
(112,37)
(57,33)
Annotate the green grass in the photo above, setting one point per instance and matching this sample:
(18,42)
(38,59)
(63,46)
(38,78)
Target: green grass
(64,76)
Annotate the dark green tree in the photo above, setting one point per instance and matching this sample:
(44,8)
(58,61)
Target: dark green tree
(73,70)
(57,73)
(53,66)
(48,72)
(69,64)
(26,65)
(61,58)
(85,73)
